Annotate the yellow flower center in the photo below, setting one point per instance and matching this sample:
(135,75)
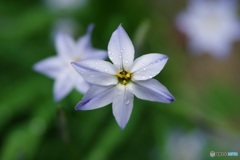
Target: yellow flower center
(124,77)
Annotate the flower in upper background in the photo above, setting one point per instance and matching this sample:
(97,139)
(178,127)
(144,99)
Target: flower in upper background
(65,26)
(117,83)
(59,67)
(69,5)
(211,26)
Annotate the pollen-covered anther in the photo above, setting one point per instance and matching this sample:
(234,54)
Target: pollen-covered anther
(124,77)
(119,75)
(128,75)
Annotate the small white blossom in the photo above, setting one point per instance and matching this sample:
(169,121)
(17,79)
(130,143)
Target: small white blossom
(117,83)
(65,26)
(59,5)
(59,67)
(211,26)
(187,146)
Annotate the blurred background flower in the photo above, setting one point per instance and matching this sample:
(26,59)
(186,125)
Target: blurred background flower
(33,126)
(59,67)
(64,5)
(65,25)
(211,26)
(187,146)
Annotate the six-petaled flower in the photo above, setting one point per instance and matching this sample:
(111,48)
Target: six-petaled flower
(211,26)
(117,83)
(59,67)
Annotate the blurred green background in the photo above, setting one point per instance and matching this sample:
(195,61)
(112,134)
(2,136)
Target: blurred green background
(204,117)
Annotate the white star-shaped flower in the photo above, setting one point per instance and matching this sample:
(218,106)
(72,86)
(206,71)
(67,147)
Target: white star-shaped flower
(69,5)
(59,67)
(211,26)
(187,146)
(117,83)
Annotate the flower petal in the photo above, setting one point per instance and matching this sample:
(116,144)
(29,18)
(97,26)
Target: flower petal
(50,66)
(81,85)
(96,97)
(151,90)
(148,66)
(62,86)
(65,45)
(85,41)
(85,47)
(94,54)
(120,49)
(122,105)
(97,72)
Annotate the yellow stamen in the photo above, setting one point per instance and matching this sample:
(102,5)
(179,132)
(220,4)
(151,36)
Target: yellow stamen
(119,75)
(128,75)
(124,77)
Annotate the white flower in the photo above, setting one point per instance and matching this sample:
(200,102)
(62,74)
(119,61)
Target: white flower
(58,5)
(65,26)
(211,26)
(59,67)
(187,146)
(117,83)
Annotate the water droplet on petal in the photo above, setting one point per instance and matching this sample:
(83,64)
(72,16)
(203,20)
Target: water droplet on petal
(150,74)
(144,69)
(110,53)
(122,50)
(127,102)
(105,70)
(126,61)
